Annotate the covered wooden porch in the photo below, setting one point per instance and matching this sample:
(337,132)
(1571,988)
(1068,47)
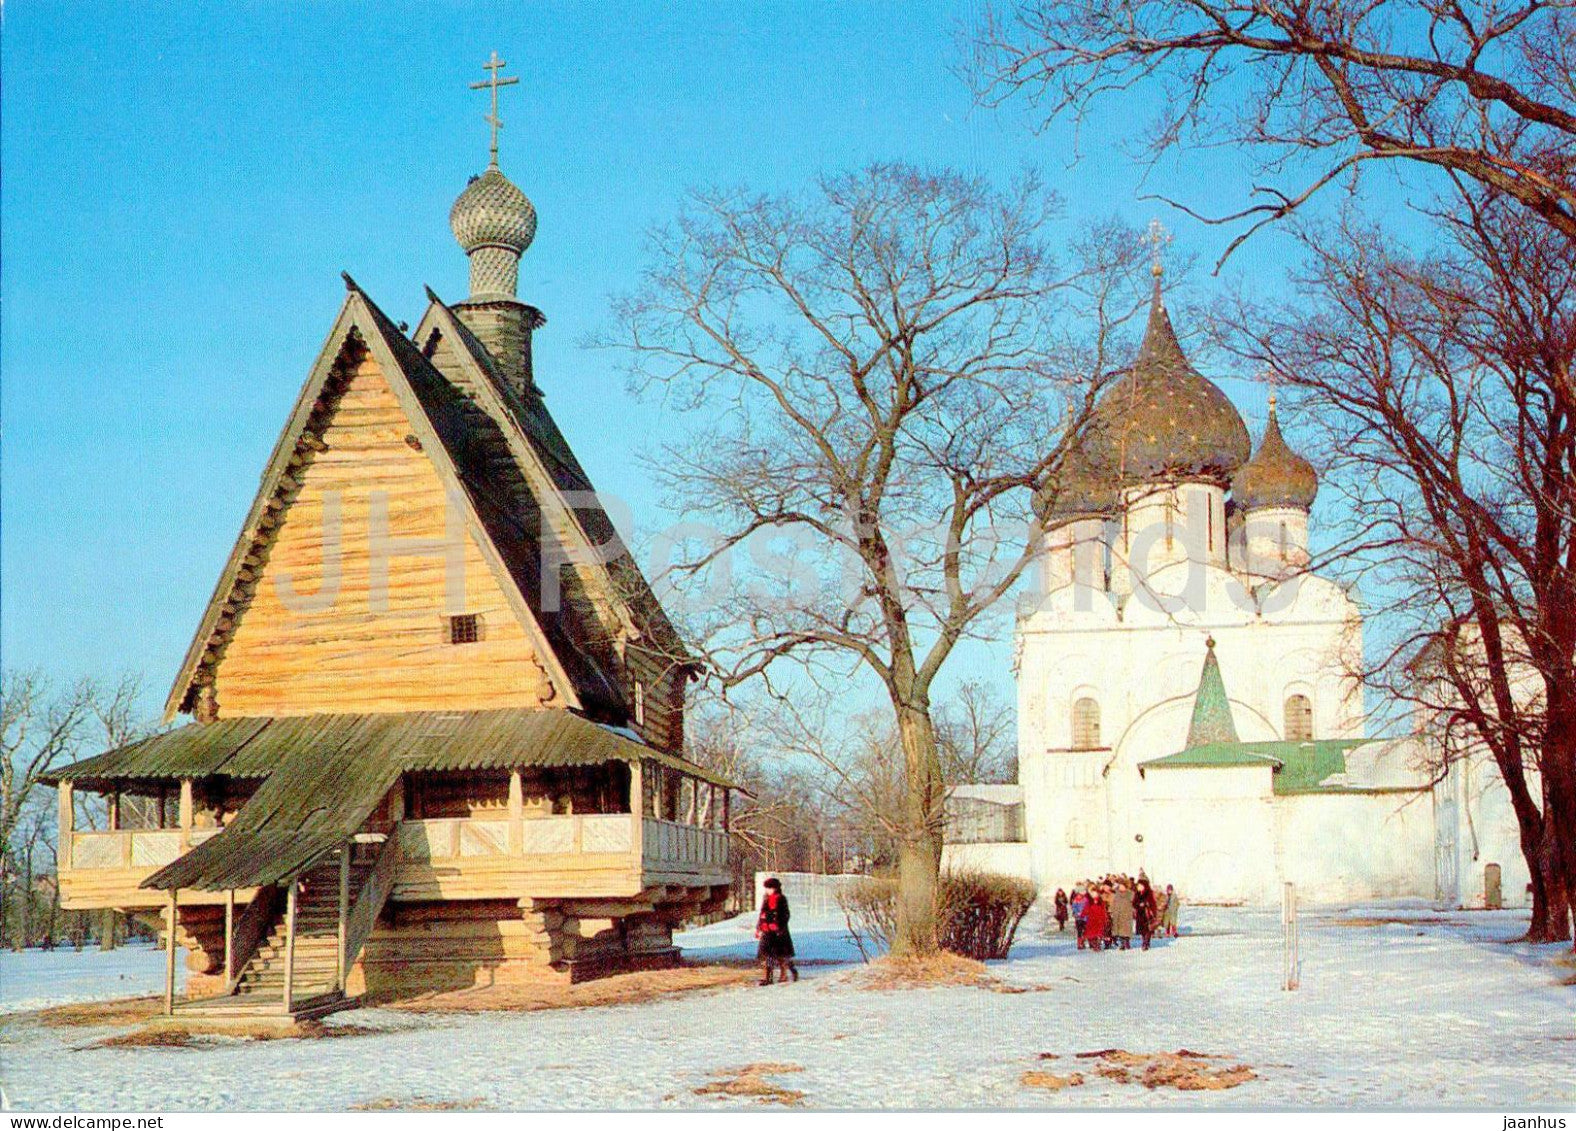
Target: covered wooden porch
(539,819)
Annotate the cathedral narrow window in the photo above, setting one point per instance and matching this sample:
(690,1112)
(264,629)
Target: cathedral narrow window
(1299,718)
(1171,511)
(1209,509)
(1086,724)
(1283,541)
(465,629)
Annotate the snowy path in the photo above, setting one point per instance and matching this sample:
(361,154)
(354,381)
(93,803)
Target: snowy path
(1416,1014)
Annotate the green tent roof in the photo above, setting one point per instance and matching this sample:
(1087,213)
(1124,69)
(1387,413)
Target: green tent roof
(1212,723)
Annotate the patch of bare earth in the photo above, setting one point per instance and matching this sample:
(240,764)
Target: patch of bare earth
(145,1038)
(1050,1081)
(749,1082)
(928,971)
(1386,920)
(617,989)
(1184,1070)
(418,1103)
(122,1011)
(198,1035)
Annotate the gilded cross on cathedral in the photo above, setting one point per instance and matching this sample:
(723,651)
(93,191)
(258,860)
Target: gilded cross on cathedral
(1158,238)
(494,65)
(1272,378)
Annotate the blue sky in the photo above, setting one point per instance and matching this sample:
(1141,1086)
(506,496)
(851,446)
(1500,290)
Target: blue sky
(184,184)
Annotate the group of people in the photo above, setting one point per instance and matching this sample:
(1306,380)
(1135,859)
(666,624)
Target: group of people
(1107,913)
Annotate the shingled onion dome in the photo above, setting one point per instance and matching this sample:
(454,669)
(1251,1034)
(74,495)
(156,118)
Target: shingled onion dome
(494,223)
(1165,421)
(1276,476)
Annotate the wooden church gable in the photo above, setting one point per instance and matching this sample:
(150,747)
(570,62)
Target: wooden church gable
(605,574)
(380,567)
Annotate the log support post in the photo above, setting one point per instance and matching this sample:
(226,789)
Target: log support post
(229,937)
(290,934)
(68,822)
(340,973)
(516,814)
(186,814)
(114,811)
(637,805)
(169,956)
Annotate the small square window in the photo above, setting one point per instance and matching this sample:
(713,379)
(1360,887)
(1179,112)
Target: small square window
(465,629)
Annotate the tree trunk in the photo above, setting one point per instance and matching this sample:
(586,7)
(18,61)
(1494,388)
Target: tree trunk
(1555,866)
(25,926)
(1559,854)
(1550,892)
(919,846)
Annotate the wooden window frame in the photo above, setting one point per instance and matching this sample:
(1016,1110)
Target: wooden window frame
(463,628)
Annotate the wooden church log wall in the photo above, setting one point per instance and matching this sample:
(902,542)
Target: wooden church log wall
(315,637)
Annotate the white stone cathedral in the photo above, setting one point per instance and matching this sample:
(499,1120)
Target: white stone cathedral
(1187,696)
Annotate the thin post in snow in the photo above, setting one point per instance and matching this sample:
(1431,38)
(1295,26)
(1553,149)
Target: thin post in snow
(1293,972)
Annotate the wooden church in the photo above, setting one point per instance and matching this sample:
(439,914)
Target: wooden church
(437,712)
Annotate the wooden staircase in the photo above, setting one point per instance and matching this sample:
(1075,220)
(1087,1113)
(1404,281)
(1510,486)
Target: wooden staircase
(259,987)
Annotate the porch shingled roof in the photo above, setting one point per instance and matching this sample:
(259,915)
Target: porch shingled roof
(415,740)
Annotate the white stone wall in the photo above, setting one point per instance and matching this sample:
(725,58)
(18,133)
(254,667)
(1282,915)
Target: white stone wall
(1477,827)
(1211,833)
(1348,846)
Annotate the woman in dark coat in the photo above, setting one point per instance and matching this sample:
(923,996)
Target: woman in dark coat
(1146,912)
(1061,910)
(776,945)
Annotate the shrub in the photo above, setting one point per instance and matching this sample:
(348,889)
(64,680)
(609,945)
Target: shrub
(870,910)
(977,914)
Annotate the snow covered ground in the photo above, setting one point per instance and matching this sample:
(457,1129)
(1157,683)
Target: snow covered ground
(1428,1011)
(42,978)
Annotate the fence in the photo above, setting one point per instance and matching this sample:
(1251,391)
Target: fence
(807,892)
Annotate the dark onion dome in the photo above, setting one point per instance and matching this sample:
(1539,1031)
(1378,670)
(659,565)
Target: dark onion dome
(1076,493)
(1276,476)
(1163,420)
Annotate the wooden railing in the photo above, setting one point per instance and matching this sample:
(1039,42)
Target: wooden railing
(451,838)
(374,894)
(250,931)
(668,842)
(132,848)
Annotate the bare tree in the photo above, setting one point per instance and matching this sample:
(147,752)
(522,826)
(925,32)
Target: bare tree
(977,734)
(1321,88)
(38,730)
(887,376)
(1440,389)
(43,727)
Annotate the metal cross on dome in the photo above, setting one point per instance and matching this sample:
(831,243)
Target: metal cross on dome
(1272,378)
(1158,238)
(494,65)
